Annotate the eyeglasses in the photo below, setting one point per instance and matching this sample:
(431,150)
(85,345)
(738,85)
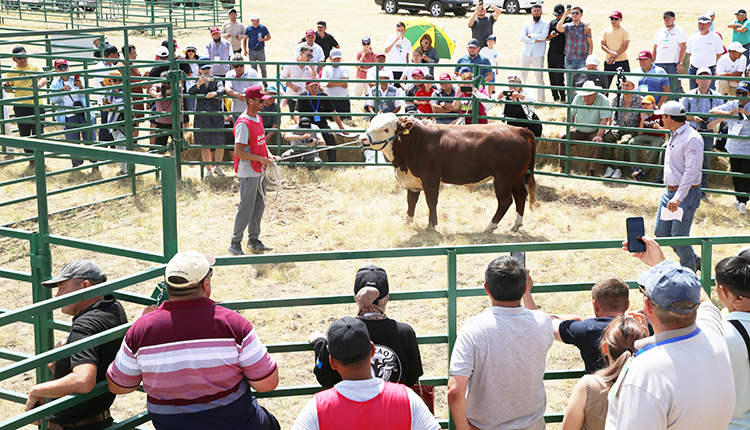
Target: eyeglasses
(575,13)
(208,275)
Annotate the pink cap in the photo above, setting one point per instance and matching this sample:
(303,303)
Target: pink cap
(445,77)
(59,62)
(214,30)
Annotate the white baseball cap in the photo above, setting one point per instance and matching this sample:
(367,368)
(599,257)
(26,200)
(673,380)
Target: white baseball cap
(191,266)
(672,108)
(254,16)
(162,51)
(736,46)
(592,59)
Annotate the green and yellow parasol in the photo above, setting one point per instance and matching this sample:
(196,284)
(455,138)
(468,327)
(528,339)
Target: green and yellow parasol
(441,41)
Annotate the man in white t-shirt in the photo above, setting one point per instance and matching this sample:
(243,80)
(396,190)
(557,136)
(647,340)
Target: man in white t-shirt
(668,52)
(498,361)
(374,72)
(705,47)
(397,48)
(301,72)
(338,91)
(733,63)
(680,378)
(236,89)
(318,55)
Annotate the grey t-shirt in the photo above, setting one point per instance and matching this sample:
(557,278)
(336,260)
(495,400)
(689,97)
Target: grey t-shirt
(503,352)
(301,142)
(242,135)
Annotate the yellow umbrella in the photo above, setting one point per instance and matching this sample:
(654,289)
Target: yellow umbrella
(441,41)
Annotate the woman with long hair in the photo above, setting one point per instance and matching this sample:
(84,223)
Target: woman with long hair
(587,407)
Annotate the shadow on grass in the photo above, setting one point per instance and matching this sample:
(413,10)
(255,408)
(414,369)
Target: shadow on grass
(545,194)
(429,237)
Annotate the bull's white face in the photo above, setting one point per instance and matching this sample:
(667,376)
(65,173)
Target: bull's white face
(382,129)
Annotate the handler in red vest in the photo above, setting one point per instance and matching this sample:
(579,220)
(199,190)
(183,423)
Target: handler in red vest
(361,401)
(250,153)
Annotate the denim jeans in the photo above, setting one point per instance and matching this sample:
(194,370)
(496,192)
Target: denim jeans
(571,64)
(675,228)
(671,69)
(77,135)
(708,146)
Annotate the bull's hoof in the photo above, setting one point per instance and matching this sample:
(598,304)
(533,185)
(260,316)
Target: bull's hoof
(490,228)
(409,219)
(430,227)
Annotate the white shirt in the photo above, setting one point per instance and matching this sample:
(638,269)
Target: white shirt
(683,160)
(240,86)
(335,72)
(726,65)
(381,72)
(534,38)
(683,385)
(703,49)
(99,78)
(294,71)
(318,54)
(399,53)
(408,70)
(740,370)
(490,54)
(362,391)
(668,44)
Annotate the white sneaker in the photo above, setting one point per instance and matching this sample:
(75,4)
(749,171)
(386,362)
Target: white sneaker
(218,171)
(209,173)
(743,209)
(609,172)
(737,205)
(617,174)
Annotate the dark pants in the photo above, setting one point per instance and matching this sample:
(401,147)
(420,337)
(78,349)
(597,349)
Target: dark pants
(741,185)
(162,140)
(556,61)
(27,127)
(76,136)
(342,106)
(625,64)
(329,138)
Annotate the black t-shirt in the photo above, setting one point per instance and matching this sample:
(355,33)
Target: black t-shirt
(95,319)
(318,110)
(586,335)
(396,359)
(269,116)
(327,43)
(581,77)
(557,44)
(156,70)
(482,29)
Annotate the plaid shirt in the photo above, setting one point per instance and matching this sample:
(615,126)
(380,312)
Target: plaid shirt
(576,42)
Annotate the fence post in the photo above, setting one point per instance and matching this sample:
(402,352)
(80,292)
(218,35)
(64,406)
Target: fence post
(452,311)
(568,77)
(175,75)
(127,92)
(169,207)
(705,267)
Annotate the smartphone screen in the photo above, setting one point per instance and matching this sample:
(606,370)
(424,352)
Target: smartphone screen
(521,256)
(635,231)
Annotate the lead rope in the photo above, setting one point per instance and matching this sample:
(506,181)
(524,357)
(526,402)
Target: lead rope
(272,173)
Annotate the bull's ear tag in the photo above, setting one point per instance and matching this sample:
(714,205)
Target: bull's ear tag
(406,131)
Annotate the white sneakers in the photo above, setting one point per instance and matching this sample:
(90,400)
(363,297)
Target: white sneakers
(617,174)
(218,171)
(609,172)
(742,207)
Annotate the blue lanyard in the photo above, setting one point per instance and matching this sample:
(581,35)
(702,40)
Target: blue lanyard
(668,341)
(317,103)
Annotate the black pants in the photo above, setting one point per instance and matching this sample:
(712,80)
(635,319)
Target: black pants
(329,138)
(26,126)
(625,64)
(741,185)
(342,106)
(162,140)
(556,61)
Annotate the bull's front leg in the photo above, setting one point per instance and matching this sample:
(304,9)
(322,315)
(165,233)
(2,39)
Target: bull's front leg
(412,197)
(431,196)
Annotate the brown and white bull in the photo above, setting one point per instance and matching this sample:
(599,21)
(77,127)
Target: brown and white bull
(426,155)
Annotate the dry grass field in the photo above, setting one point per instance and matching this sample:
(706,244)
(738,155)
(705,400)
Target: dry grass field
(353,209)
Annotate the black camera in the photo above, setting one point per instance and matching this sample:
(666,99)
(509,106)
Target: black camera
(77,103)
(309,140)
(508,93)
(466,88)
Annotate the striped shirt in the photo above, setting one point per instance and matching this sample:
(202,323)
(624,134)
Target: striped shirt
(192,356)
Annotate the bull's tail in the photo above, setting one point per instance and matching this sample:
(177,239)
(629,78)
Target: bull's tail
(530,181)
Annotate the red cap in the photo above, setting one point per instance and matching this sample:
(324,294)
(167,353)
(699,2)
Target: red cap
(213,30)
(59,62)
(256,92)
(380,54)
(417,72)
(616,14)
(644,55)
(445,77)
(309,32)
(312,83)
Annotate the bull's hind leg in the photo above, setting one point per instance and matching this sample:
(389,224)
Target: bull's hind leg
(412,197)
(504,199)
(519,197)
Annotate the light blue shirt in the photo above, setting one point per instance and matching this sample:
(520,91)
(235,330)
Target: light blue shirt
(66,100)
(222,50)
(534,38)
(700,105)
(737,128)
(683,160)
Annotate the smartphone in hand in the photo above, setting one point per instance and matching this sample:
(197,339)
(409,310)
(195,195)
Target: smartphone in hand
(635,231)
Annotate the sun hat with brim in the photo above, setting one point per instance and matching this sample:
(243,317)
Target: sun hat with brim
(192,266)
(668,283)
(588,88)
(79,269)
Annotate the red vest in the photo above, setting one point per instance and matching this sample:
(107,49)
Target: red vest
(256,141)
(388,410)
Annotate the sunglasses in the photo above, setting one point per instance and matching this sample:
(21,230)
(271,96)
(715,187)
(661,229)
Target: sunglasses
(642,289)
(63,67)
(191,50)
(366,44)
(575,13)
(238,66)
(740,93)
(309,55)
(611,18)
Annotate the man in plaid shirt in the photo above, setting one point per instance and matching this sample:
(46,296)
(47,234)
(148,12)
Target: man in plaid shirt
(578,42)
